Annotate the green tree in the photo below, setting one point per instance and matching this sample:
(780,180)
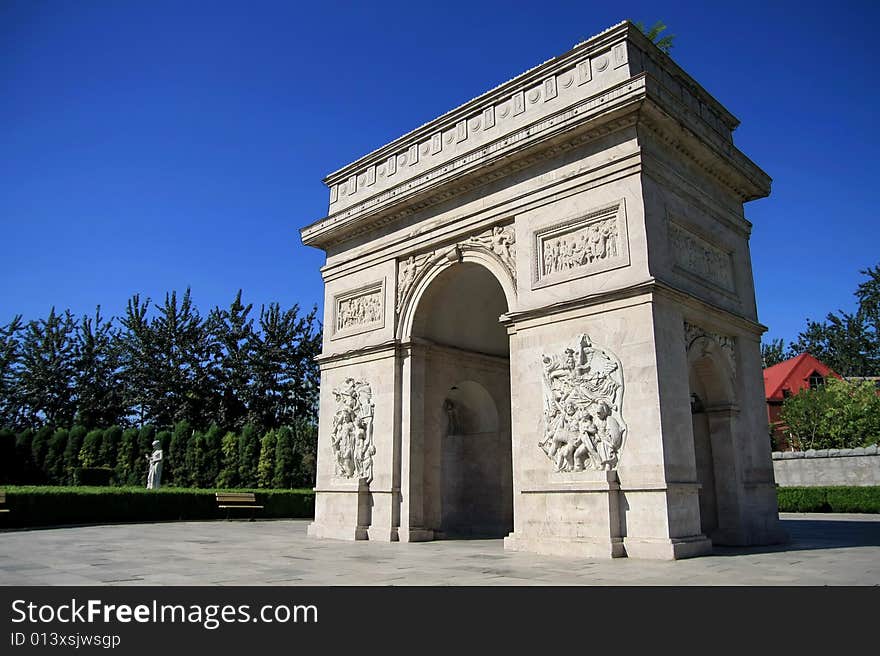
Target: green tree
(848,342)
(25,471)
(71,452)
(286,459)
(175,459)
(306,445)
(235,340)
(10,362)
(266,466)
(110,446)
(8,460)
(653,33)
(229,470)
(285,375)
(96,379)
(773,353)
(39,449)
(90,453)
(838,414)
(248,456)
(128,458)
(47,370)
(55,457)
(203,457)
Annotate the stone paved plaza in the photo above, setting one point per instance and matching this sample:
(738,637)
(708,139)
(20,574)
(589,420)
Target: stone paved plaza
(824,550)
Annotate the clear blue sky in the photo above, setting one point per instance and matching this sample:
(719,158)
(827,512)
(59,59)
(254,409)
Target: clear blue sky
(150,145)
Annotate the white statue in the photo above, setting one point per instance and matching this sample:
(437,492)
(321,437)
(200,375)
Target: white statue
(583,395)
(351,435)
(154,476)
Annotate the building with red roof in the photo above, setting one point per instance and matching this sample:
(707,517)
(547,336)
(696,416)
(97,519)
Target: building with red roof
(787,378)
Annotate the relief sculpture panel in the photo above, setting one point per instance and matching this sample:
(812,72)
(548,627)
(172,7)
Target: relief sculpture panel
(359,310)
(583,403)
(352,430)
(698,257)
(582,246)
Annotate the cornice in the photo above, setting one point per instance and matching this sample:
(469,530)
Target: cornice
(519,122)
(645,288)
(576,124)
(500,92)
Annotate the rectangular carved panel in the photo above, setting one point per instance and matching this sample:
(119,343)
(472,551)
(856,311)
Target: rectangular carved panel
(581,246)
(699,257)
(359,310)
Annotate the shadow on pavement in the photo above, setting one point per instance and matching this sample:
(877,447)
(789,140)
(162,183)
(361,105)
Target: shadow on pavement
(810,534)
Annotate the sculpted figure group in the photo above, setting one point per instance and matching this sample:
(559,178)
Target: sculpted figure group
(592,243)
(583,393)
(358,311)
(352,430)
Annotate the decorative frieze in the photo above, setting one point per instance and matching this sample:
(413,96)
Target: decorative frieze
(500,241)
(484,117)
(583,404)
(701,258)
(351,435)
(728,344)
(359,310)
(583,245)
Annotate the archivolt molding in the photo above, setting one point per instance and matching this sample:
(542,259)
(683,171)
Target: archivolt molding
(494,248)
(696,337)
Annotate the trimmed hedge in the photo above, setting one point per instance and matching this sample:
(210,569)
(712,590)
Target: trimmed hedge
(52,506)
(829,499)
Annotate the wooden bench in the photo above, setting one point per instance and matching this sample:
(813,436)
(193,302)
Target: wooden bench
(236,500)
(3,507)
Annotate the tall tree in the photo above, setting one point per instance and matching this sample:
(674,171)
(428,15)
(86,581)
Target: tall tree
(47,371)
(234,339)
(97,384)
(10,361)
(138,359)
(848,342)
(286,377)
(773,352)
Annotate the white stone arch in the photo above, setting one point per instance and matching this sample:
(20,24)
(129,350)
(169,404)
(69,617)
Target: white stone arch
(466,252)
(711,365)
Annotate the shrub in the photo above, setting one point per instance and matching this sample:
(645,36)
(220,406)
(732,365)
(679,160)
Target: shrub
(90,453)
(266,466)
(8,461)
(229,470)
(24,470)
(285,459)
(175,459)
(127,462)
(98,476)
(54,464)
(248,456)
(47,506)
(108,454)
(829,499)
(39,448)
(71,451)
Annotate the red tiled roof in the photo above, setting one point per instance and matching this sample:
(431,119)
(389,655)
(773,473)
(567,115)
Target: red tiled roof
(793,374)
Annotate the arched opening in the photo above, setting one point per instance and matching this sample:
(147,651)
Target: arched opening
(713,411)
(463,396)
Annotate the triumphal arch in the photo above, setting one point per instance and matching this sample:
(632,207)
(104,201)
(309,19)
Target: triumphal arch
(540,321)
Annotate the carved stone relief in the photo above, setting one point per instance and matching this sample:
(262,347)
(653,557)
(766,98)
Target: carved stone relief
(498,240)
(359,310)
(728,344)
(583,405)
(699,257)
(582,246)
(352,430)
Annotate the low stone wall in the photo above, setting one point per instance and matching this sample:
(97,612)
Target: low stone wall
(827,467)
